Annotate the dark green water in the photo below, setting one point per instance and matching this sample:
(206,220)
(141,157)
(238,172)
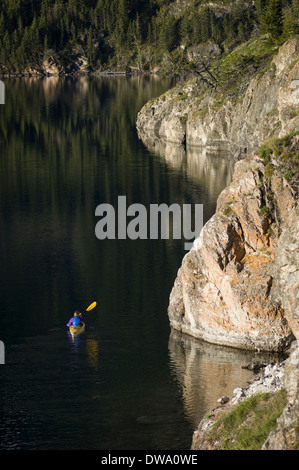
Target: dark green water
(66,146)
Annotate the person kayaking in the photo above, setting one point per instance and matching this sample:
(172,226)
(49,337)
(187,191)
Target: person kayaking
(76,319)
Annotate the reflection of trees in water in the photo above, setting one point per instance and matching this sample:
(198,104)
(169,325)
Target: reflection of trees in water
(66,145)
(91,108)
(207,372)
(69,129)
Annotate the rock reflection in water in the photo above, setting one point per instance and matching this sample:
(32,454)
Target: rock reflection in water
(207,372)
(213,169)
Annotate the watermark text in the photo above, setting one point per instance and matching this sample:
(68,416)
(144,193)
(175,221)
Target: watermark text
(160,221)
(2,92)
(2,353)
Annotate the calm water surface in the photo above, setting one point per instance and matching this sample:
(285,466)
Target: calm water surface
(128,382)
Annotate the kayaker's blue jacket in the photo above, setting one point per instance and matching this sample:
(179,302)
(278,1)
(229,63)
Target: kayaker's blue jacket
(75,321)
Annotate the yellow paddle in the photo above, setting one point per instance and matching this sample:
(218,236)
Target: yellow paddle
(91,306)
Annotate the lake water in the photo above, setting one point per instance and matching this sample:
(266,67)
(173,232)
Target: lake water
(128,382)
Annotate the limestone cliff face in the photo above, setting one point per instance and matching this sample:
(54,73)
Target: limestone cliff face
(239,286)
(286,269)
(267,107)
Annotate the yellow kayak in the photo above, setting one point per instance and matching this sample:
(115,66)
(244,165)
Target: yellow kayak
(76,330)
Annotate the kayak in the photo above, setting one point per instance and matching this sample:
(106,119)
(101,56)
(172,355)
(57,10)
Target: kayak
(76,330)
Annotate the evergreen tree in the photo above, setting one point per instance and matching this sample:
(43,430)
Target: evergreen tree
(185,27)
(6,44)
(121,24)
(291,20)
(272,19)
(45,43)
(2,25)
(205,21)
(168,35)
(259,6)
(241,32)
(121,29)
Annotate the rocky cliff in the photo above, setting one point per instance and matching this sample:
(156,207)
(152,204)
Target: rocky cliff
(231,287)
(239,285)
(53,65)
(265,105)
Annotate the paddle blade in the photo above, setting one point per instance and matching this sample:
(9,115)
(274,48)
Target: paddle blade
(91,306)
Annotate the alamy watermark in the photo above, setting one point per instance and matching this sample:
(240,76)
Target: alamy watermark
(2,353)
(2,92)
(173,221)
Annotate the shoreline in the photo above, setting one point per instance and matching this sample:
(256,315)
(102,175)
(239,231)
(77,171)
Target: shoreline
(77,74)
(273,379)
